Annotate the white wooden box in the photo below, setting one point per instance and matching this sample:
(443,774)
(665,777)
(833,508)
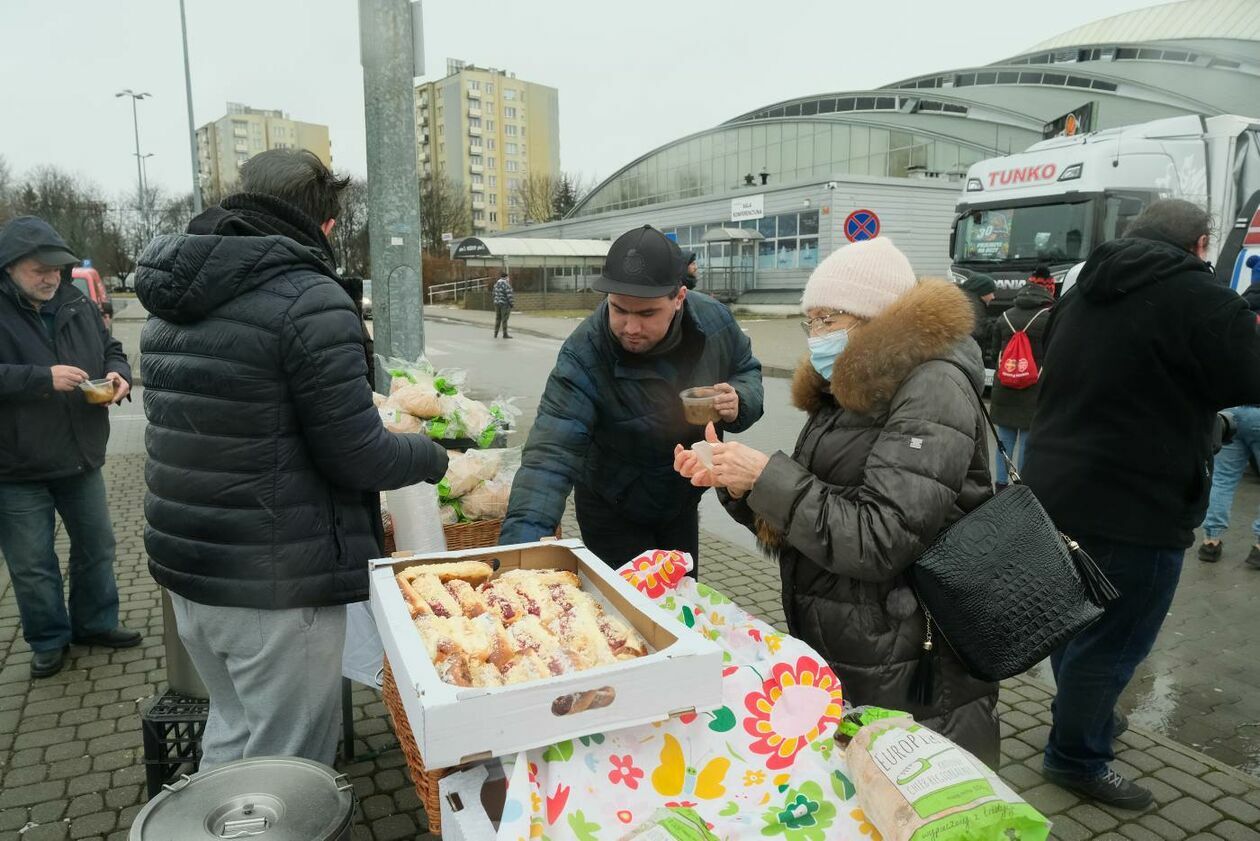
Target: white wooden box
(454,725)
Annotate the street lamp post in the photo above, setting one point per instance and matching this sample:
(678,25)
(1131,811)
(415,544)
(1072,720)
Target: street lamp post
(146,202)
(135,123)
(192,132)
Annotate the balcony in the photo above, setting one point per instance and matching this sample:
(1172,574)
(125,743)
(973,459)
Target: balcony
(476,169)
(474,95)
(478,204)
(474,110)
(474,131)
(480,223)
(475,149)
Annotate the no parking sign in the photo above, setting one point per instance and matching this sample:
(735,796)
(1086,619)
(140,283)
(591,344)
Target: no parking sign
(861,225)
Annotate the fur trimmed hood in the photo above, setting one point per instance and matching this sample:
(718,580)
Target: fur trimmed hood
(928,322)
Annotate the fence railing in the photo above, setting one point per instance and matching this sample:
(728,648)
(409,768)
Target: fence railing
(457,290)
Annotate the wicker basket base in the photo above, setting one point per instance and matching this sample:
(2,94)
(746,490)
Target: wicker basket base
(425,781)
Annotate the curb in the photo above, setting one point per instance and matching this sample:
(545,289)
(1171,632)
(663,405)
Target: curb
(1162,740)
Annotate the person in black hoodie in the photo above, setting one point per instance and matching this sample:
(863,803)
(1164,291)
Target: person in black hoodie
(52,447)
(1139,358)
(266,456)
(1012,409)
(981,290)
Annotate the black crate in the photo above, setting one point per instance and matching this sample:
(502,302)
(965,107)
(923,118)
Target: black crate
(172,728)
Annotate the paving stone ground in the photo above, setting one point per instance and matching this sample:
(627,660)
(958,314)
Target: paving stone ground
(70,746)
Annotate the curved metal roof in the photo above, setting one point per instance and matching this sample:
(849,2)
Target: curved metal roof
(1232,19)
(520,247)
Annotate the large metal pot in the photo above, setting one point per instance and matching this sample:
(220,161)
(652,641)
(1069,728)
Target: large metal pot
(269,798)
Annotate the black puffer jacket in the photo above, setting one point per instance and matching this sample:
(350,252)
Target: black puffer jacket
(265,451)
(47,434)
(1015,407)
(1140,356)
(894,450)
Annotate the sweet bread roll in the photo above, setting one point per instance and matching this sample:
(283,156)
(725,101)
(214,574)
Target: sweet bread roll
(417,399)
(475,573)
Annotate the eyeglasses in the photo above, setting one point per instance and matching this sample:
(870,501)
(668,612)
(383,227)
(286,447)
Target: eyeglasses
(813,325)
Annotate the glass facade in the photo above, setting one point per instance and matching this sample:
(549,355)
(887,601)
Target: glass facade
(791,241)
(718,162)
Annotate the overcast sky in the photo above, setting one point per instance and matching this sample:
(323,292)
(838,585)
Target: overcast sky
(631,75)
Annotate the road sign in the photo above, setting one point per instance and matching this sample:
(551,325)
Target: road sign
(861,225)
(447,237)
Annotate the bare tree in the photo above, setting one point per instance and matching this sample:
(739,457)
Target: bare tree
(6,187)
(350,235)
(444,209)
(536,196)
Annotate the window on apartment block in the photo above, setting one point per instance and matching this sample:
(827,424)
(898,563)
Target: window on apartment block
(510,148)
(509,93)
(510,130)
(509,112)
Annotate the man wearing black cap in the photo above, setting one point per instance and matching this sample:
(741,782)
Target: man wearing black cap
(52,339)
(611,415)
(982,289)
(692,277)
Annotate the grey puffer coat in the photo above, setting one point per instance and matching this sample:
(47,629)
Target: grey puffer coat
(894,450)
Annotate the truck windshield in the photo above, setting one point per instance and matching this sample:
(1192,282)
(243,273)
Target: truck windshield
(1035,233)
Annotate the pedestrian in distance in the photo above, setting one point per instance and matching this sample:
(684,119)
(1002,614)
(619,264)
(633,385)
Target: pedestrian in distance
(981,291)
(1231,460)
(1012,407)
(692,276)
(894,450)
(504,300)
(1139,359)
(266,456)
(611,412)
(52,341)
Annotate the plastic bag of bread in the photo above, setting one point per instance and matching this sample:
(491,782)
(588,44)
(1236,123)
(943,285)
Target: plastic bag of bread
(396,420)
(487,501)
(448,514)
(466,471)
(419,399)
(378,399)
(914,784)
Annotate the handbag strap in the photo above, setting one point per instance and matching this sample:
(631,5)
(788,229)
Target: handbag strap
(1006,456)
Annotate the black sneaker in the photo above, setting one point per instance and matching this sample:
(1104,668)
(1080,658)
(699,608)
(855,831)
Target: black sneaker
(1211,552)
(1253,557)
(1111,789)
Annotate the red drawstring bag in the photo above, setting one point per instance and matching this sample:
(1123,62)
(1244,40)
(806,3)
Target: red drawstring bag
(1016,368)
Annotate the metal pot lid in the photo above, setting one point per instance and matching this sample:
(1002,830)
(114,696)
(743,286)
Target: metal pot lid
(269,798)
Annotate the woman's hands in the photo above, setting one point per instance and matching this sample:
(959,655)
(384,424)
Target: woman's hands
(736,467)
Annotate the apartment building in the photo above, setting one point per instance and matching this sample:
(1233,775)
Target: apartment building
(487,131)
(241,133)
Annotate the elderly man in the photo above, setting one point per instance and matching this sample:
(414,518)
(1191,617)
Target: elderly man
(52,339)
(611,416)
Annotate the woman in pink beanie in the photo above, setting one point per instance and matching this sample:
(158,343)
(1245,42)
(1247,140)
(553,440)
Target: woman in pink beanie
(894,450)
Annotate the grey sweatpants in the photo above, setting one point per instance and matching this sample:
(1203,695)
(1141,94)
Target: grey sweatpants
(274,678)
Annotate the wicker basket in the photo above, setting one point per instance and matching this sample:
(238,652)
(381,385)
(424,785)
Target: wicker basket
(425,781)
(460,536)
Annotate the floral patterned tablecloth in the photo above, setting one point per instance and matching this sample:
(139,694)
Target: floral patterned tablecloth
(764,765)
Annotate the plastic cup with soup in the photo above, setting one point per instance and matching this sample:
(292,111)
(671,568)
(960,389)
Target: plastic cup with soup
(699,405)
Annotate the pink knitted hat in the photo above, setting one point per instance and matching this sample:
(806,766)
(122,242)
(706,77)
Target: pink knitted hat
(861,279)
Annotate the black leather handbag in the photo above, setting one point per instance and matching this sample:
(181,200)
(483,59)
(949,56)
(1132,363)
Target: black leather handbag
(1003,586)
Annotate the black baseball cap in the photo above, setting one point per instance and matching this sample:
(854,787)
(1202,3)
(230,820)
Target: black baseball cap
(642,263)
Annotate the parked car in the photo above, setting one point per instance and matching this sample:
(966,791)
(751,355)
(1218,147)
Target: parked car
(88,281)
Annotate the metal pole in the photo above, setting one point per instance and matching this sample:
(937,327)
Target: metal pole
(135,123)
(390,49)
(192,132)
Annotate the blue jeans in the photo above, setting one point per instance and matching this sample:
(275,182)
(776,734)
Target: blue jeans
(1093,669)
(1231,461)
(26,539)
(1015,441)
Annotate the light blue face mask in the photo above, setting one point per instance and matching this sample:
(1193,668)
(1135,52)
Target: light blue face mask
(824,349)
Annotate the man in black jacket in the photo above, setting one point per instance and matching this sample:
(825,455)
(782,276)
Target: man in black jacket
(266,456)
(52,339)
(1139,358)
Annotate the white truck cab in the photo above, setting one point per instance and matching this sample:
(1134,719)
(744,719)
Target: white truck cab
(1054,203)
